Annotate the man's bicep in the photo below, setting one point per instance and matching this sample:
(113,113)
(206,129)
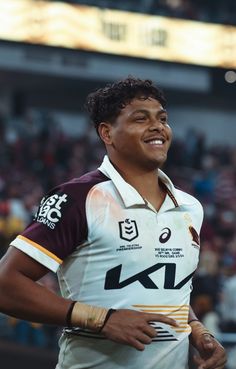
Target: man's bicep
(16,261)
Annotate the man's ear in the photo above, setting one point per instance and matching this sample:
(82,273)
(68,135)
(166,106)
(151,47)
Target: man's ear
(104,131)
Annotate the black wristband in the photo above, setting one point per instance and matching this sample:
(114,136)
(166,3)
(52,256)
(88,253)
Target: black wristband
(68,315)
(110,311)
(206,332)
(193,320)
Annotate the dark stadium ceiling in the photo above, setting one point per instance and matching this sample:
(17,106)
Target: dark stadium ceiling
(142,6)
(215,11)
(40,90)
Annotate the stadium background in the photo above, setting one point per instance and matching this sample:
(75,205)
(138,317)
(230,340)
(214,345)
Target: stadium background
(50,60)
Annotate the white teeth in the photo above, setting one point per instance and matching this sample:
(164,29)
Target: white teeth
(156,142)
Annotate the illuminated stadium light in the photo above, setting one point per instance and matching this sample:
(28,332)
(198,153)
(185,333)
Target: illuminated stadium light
(230,76)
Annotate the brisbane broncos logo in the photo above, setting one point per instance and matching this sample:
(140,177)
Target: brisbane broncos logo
(195,236)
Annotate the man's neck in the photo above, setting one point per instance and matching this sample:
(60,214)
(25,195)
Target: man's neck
(146,183)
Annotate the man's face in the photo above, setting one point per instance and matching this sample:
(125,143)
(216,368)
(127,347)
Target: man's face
(140,135)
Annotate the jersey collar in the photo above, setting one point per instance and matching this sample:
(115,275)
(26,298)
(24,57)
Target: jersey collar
(128,193)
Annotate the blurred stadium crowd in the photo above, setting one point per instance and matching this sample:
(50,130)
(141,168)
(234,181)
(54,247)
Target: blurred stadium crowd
(216,11)
(36,154)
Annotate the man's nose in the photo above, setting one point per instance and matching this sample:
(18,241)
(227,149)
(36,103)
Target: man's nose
(156,125)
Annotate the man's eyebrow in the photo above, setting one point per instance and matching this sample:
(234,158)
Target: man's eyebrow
(147,111)
(161,111)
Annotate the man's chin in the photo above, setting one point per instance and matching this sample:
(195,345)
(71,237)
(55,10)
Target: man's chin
(156,163)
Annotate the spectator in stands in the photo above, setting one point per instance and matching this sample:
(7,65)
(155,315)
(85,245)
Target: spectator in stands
(228,301)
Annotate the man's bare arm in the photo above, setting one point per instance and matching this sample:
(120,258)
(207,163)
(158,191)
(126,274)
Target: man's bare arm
(22,297)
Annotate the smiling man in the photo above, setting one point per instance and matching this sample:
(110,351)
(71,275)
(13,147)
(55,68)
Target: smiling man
(124,243)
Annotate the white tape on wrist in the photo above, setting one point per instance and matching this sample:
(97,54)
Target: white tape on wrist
(88,316)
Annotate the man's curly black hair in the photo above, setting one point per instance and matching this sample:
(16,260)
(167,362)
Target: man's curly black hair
(105,104)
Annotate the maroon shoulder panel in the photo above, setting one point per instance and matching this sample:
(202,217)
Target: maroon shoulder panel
(60,223)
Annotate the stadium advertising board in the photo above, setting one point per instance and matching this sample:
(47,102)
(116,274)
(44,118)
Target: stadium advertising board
(117,32)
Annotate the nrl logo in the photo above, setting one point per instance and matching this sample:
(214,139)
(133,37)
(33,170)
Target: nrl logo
(128,230)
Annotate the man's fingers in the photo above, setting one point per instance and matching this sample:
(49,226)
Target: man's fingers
(143,338)
(134,328)
(208,343)
(136,344)
(150,331)
(212,363)
(162,318)
(198,360)
(215,361)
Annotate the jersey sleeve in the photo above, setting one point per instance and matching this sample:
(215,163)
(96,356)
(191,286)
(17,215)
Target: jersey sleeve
(59,227)
(199,215)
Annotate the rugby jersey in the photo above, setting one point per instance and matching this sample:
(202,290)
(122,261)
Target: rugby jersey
(111,248)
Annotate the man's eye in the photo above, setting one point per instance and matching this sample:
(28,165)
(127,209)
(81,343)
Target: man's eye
(164,120)
(140,118)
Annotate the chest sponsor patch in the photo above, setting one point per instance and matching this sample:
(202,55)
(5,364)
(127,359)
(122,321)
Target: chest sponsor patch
(50,209)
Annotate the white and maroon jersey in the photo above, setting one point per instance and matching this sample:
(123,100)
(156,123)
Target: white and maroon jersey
(111,248)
